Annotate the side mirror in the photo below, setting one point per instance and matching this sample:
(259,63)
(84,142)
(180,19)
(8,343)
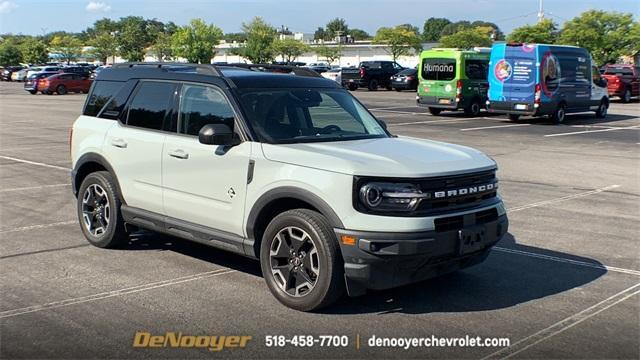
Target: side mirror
(217,134)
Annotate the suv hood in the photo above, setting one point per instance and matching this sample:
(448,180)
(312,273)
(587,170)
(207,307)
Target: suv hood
(386,157)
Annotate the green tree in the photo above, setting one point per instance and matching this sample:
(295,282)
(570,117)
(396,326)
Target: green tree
(9,54)
(34,51)
(496,33)
(330,53)
(359,34)
(103,26)
(133,38)
(432,29)
(607,35)
(162,48)
(289,49)
(400,40)
(544,32)
(237,37)
(454,27)
(68,47)
(468,38)
(196,42)
(335,27)
(260,37)
(104,45)
(320,33)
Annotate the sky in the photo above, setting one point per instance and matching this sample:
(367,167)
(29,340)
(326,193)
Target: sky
(35,17)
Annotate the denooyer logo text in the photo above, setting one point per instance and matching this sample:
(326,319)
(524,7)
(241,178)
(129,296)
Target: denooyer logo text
(144,339)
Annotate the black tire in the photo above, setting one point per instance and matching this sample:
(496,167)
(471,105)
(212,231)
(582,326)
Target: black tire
(33,92)
(559,114)
(603,108)
(329,283)
(353,87)
(514,117)
(61,90)
(389,87)
(626,96)
(435,111)
(473,109)
(115,233)
(373,85)
(398,89)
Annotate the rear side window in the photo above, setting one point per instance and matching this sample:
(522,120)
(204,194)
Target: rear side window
(202,105)
(439,69)
(150,105)
(476,69)
(101,92)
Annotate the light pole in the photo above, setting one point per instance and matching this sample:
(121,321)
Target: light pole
(540,10)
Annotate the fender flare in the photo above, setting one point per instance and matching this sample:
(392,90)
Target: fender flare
(92,157)
(295,193)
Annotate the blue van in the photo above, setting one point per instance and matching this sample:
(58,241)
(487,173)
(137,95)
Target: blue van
(539,80)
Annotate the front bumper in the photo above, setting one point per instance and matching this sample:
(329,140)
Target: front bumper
(385,260)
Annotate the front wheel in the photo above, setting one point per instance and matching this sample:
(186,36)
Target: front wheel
(473,109)
(98,209)
(626,97)
(603,108)
(33,92)
(61,90)
(301,261)
(353,87)
(373,85)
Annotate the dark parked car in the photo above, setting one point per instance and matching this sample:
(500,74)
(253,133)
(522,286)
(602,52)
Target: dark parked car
(31,85)
(81,70)
(406,79)
(370,74)
(6,72)
(64,83)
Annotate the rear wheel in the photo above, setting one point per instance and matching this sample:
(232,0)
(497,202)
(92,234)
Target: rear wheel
(626,97)
(301,261)
(514,117)
(33,92)
(398,89)
(98,209)
(61,90)
(373,85)
(435,111)
(603,108)
(353,87)
(559,114)
(473,109)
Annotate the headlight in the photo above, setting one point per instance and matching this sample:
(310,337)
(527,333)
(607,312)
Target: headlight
(384,196)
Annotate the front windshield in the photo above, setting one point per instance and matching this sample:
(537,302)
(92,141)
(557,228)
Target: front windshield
(307,115)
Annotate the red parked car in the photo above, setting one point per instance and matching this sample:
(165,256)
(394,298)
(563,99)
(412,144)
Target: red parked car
(64,83)
(622,81)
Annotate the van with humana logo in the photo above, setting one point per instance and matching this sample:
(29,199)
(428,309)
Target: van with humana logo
(453,79)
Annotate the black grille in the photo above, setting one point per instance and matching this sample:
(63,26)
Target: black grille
(459,202)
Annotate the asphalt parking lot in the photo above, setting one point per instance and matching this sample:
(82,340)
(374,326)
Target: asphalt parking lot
(564,283)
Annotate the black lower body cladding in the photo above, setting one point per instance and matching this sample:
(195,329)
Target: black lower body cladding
(381,260)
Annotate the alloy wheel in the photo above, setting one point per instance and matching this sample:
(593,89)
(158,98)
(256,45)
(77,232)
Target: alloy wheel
(96,210)
(294,261)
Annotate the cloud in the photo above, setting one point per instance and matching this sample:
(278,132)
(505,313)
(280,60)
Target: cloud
(7,7)
(98,6)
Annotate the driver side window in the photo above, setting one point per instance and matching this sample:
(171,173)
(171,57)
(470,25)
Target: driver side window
(200,106)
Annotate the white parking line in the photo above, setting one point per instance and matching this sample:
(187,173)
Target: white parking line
(34,187)
(114,293)
(564,324)
(401,112)
(430,122)
(564,198)
(39,226)
(568,261)
(494,127)
(594,131)
(34,163)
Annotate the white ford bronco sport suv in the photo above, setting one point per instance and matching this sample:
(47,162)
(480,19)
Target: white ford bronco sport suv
(291,170)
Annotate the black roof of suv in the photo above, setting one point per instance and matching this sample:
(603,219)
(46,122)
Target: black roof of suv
(239,76)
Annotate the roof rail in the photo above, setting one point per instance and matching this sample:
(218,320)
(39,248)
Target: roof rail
(207,69)
(275,68)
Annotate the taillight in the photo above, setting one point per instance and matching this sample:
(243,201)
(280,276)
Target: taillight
(459,90)
(409,77)
(538,94)
(361,72)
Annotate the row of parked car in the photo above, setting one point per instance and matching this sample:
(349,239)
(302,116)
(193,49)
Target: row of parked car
(513,79)
(51,78)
